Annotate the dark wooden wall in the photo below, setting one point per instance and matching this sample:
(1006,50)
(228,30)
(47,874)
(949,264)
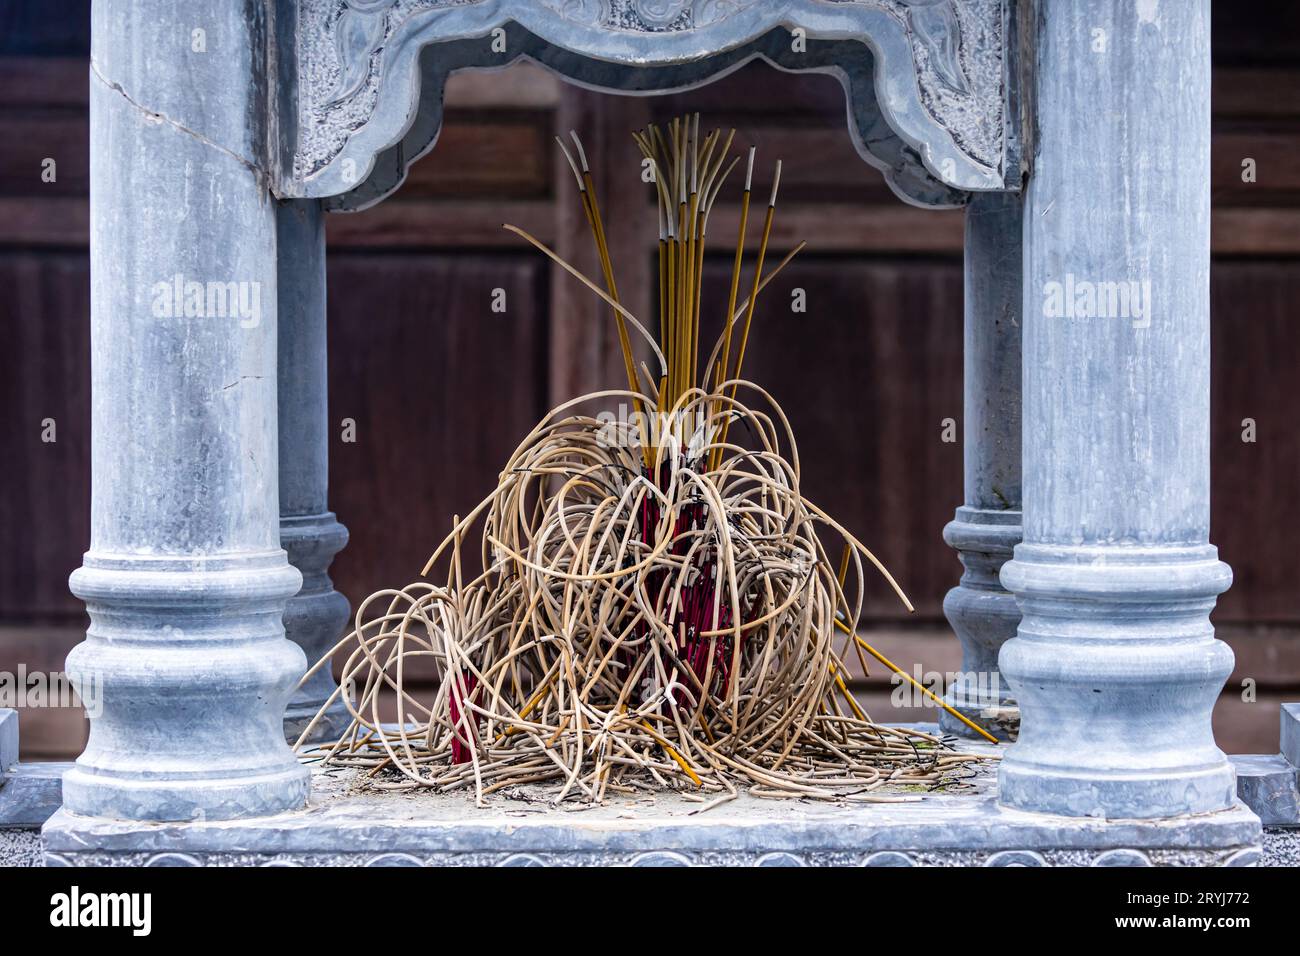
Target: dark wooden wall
(440,387)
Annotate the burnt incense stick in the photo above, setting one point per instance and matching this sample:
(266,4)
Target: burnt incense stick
(753,296)
(590,205)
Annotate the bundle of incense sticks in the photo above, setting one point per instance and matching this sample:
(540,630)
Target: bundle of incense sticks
(657,605)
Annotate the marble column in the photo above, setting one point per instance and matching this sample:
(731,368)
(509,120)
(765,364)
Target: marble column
(317,615)
(1115,665)
(985,529)
(185,581)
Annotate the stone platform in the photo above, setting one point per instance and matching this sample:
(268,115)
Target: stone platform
(348,825)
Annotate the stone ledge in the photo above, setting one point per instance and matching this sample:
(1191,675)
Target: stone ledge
(1270,786)
(31,793)
(1270,783)
(345,826)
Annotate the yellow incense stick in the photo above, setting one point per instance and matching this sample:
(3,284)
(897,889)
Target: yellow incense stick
(839,622)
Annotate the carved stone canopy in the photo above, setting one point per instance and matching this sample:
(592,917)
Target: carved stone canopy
(931,85)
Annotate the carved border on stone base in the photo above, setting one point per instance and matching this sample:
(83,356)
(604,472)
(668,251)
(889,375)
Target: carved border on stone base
(1234,856)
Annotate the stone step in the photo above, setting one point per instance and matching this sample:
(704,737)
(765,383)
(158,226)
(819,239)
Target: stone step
(345,825)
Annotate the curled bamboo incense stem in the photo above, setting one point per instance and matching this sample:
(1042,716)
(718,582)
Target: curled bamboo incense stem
(550,253)
(714,357)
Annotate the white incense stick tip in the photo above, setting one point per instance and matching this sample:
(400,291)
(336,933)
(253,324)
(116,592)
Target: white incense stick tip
(749,170)
(582,187)
(582,153)
(776,183)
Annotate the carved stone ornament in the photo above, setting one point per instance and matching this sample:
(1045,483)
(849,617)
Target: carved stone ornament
(930,84)
(1231,857)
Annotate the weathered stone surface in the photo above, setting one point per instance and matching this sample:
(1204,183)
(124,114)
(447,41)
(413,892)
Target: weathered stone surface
(1281,847)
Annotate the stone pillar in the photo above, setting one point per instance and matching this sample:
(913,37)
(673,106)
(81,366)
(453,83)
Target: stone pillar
(1115,664)
(315,618)
(986,528)
(185,581)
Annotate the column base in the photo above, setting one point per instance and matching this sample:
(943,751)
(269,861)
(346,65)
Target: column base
(1028,786)
(1000,720)
(984,616)
(185,674)
(314,619)
(330,727)
(200,798)
(1117,670)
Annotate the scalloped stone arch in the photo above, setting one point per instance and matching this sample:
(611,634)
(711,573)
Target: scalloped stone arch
(929,84)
